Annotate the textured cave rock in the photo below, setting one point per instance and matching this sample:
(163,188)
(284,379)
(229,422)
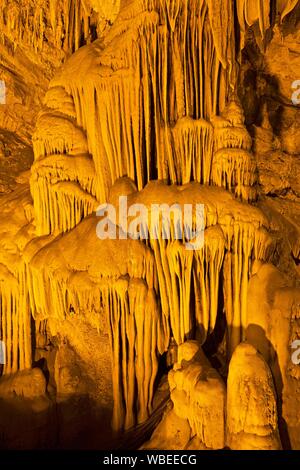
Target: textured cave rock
(165,102)
(251,402)
(36,38)
(273,301)
(198,395)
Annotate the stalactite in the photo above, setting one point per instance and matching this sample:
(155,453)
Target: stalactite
(134,323)
(206,275)
(258,11)
(15,327)
(246,242)
(252,12)
(154,81)
(105,279)
(157,129)
(58,134)
(285,7)
(193,142)
(196,272)
(223,29)
(63,192)
(180,262)
(235,170)
(29,23)
(234,166)
(234,229)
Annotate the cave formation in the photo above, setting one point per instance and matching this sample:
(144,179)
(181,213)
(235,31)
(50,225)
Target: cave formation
(134,343)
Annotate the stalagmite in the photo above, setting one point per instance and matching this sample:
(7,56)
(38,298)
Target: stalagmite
(198,395)
(251,402)
(272,301)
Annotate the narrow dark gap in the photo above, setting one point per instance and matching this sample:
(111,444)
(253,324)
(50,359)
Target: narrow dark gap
(33,336)
(212,346)
(236,30)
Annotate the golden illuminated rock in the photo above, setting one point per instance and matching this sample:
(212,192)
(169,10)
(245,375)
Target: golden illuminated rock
(198,395)
(165,104)
(251,402)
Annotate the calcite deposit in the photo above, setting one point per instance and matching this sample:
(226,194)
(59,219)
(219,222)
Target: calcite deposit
(139,337)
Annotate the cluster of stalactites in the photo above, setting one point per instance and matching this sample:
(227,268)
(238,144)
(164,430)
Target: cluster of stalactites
(158,66)
(209,153)
(72,23)
(63,191)
(183,274)
(144,113)
(147,293)
(66,24)
(216,152)
(247,244)
(15,325)
(126,303)
(192,143)
(63,179)
(234,167)
(260,12)
(190,279)
(137,337)
(149,111)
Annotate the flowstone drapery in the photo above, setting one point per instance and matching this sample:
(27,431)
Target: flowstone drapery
(151,108)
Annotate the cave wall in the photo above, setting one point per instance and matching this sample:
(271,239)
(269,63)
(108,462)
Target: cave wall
(150,90)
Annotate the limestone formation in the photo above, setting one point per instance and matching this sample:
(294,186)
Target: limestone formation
(166,104)
(198,396)
(252,421)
